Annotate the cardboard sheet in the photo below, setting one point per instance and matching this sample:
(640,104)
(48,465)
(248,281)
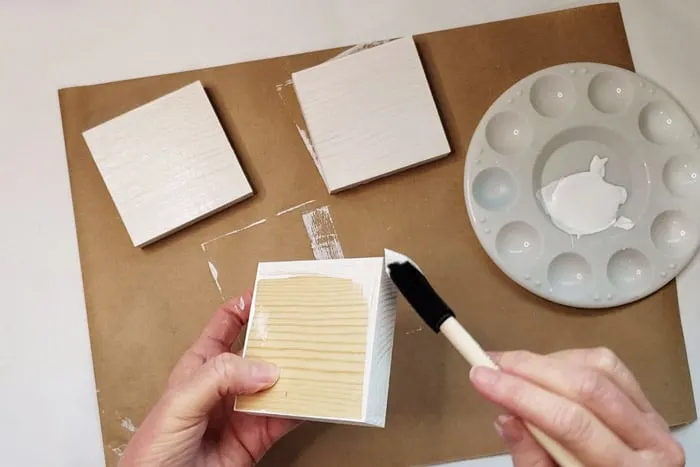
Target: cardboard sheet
(145,306)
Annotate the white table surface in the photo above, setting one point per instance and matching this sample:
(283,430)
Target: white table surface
(48,406)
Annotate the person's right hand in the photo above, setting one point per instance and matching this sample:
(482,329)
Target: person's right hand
(587,400)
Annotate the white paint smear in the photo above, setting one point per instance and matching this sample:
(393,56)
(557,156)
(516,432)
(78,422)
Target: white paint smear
(215,276)
(321,231)
(310,148)
(359,48)
(420,328)
(128,425)
(119,450)
(204,245)
(295,207)
(584,203)
(281,86)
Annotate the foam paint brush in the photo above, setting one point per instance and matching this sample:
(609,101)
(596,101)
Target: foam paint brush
(413,285)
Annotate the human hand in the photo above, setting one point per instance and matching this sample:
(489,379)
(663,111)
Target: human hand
(587,400)
(194,422)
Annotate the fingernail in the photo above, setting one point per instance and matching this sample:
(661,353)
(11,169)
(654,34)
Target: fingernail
(264,372)
(509,429)
(483,376)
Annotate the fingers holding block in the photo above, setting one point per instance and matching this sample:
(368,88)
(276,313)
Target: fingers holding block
(329,326)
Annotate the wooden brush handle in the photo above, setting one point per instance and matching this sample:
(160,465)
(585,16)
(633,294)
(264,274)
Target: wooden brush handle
(475,355)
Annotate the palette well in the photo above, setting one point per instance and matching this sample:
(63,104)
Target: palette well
(167,164)
(370,114)
(556,123)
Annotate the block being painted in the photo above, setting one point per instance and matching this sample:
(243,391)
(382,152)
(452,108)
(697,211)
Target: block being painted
(167,164)
(370,114)
(329,326)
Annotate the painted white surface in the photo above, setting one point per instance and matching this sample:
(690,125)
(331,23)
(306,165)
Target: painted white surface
(584,203)
(167,164)
(370,114)
(380,295)
(48,406)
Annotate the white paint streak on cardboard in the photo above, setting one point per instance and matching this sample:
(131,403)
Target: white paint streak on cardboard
(127,424)
(321,231)
(215,276)
(294,208)
(420,328)
(310,147)
(204,245)
(119,450)
(354,49)
(281,86)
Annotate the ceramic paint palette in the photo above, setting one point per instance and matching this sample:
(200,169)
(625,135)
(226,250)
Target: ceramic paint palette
(551,125)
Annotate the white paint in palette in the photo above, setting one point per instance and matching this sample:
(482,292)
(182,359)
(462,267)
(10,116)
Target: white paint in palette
(215,275)
(584,203)
(321,232)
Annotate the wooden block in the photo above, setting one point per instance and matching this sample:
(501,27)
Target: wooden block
(167,164)
(370,114)
(329,326)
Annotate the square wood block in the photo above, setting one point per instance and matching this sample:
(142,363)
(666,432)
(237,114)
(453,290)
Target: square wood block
(329,326)
(370,114)
(167,164)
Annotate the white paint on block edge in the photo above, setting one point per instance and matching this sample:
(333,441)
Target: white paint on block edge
(370,114)
(167,164)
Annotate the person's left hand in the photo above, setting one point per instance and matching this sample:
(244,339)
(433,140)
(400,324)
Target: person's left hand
(194,422)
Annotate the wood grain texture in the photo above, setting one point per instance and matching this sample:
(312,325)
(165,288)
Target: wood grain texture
(315,329)
(370,114)
(329,326)
(167,164)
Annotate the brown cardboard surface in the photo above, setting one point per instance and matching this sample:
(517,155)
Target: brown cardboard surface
(145,306)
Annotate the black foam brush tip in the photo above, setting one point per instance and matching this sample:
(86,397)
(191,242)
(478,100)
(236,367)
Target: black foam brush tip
(419,293)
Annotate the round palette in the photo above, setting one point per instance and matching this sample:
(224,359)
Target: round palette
(551,125)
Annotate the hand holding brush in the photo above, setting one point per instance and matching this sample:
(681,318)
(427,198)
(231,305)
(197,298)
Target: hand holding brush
(573,408)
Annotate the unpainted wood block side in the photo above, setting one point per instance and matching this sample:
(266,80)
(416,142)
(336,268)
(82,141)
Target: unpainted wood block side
(329,326)
(315,329)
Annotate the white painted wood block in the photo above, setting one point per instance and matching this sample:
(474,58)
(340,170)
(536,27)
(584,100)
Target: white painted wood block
(370,114)
(167,164)
(329,326)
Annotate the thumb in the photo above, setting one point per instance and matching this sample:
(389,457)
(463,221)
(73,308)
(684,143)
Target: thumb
(224,375)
